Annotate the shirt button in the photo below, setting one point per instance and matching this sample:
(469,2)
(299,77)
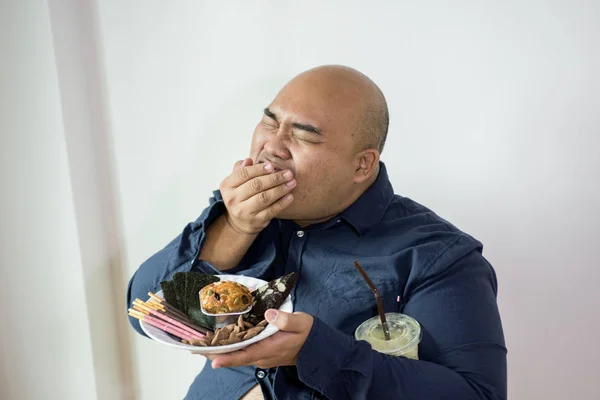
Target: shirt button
(261,374)
(300,233)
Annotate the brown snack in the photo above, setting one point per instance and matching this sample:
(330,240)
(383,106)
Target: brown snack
(225,297)
(228,328)
(253,332)
(248,325)
(262,323)
(230,334)
(232,340)
(220,334)
(199,342)
(240,322)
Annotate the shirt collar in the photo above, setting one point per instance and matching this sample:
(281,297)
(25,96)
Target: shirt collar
(367,211)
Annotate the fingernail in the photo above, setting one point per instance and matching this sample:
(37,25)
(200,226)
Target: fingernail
(287,174)
(215,365)
(271,315)
(291,183)
(289,197)
(268,167)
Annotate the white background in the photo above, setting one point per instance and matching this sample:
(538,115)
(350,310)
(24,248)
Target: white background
(118,118)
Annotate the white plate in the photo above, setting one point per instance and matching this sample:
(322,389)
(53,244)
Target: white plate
(253,283)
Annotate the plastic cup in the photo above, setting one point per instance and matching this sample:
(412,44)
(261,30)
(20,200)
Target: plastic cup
(405,335)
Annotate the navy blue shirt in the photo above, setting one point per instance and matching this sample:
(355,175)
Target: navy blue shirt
(439,272)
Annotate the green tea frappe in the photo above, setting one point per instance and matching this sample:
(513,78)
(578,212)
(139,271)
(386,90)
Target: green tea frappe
(405,335)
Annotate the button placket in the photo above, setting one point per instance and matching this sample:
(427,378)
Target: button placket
(265,385)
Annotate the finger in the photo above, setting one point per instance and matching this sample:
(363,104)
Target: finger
(236,359)
(243,174)
(209,356)
(243,163)
(263,200)
(263,183)
(277,207)
(286,322)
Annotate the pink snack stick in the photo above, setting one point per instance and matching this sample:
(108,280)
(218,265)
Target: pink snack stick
(168,328)
(164,317)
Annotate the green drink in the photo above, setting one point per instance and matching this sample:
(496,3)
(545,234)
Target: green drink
(405,335)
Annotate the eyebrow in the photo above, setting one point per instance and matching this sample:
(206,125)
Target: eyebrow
(304,127)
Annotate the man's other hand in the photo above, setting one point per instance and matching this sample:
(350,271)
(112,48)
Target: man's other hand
(280,349)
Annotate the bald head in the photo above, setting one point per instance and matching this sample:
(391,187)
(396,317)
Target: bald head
(359,94)
(327,126)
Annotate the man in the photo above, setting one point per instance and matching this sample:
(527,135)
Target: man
(313,198)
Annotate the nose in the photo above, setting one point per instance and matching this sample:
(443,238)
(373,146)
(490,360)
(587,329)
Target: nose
(276,146)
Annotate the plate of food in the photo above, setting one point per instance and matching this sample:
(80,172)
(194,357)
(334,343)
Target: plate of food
(212,314)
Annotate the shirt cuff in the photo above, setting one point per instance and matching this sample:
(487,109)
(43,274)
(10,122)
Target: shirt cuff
(323,355)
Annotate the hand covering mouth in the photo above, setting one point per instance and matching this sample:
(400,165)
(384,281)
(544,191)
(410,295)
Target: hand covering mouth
(276,166)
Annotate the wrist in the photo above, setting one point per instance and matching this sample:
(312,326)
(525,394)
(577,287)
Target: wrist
(240,232)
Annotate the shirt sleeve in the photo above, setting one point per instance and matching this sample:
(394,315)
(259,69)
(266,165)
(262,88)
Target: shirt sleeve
(177,256)
(181,255)
(464,352)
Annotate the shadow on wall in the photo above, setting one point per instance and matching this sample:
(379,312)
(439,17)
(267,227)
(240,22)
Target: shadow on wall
(82,85)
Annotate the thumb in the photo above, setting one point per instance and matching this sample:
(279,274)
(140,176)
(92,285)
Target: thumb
(285,321)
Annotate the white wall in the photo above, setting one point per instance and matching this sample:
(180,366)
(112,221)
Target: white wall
(494,124)
(45,343)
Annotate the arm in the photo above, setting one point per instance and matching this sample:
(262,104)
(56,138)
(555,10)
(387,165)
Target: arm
(464,355)
(251,196)
(222,235)
(186,253)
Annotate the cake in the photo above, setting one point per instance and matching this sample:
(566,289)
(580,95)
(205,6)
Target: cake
(225,297)
(270,295)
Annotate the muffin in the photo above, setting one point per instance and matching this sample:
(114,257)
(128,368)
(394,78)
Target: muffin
(225,297)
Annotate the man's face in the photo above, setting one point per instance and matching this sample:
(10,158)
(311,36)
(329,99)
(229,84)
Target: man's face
(309,128)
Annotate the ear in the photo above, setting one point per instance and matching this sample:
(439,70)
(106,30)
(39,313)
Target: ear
(367,163)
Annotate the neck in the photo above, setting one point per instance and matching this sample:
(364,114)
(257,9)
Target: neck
(352,197)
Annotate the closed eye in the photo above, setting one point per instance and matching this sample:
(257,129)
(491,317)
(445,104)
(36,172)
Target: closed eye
(270,115)
(304,139)
(269,119)
(307,128)
(310,130)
